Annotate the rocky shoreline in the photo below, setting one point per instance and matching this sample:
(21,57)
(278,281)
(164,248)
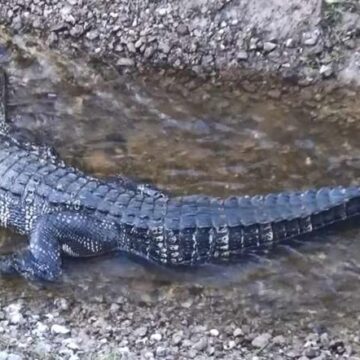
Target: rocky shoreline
(172,324)
(302,41)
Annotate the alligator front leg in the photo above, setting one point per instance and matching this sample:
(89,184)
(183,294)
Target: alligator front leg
(41,260)
(75,234)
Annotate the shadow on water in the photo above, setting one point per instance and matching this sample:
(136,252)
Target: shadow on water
(191,137)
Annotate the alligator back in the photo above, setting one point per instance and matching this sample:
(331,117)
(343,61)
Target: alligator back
(33,184)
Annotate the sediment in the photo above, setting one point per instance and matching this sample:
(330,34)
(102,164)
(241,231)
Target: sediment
(302,41)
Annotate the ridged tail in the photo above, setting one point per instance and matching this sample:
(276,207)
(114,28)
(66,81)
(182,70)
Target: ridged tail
(204,229)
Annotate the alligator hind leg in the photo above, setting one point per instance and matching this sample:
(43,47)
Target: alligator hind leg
(76,234)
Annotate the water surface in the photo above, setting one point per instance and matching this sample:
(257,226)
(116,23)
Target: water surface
(188,136)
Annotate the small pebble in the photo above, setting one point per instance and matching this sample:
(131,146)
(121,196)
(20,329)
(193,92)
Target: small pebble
(214,332)
(59,329)
(156,337)
(261,340)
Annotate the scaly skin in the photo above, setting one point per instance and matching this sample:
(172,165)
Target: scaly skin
(62,210)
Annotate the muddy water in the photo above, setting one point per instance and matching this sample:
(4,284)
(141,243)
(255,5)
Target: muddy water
(191,137)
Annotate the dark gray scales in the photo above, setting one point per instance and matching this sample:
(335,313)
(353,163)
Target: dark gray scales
(64,211)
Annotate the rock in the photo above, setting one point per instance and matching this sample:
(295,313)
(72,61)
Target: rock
(214,332)
(156,337)
(125,62)
(162,11)
(76,31)
(279,340)
(71,344)
(124,352)
(238,332)
(59,329)
(114,308)
(141,331)
(52,39)
(177,337)
(92,35)
(324,339)
(311,352)
(320,357)
(261,340)
(59,27)
(164,46)
(13,313)
(148,355)
(255,44)
(269,46)
(192,353)
(242,55)
(201,344)
(182,29)
(17,23)
(160,351)
(40,329)
(350,43)
(4,355)
(187,303)
(42,348)
(14,357)
(293,353)
(337,346)
(62,304)
(148,53)
(131,47)
(16,318)
(315,50)
(290,43)
(326,70)
(139,43)
(311,38)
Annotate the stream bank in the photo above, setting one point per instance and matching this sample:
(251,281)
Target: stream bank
(300,41)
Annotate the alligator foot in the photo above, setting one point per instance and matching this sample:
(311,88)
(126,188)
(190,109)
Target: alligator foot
(41,260)
(7,265)
(24,263)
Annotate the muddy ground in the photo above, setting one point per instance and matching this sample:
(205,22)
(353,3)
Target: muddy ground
(303,41)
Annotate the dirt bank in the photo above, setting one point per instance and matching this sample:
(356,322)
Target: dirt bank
(303,41)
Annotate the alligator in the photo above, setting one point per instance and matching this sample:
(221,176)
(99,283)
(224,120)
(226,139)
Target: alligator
(65,212)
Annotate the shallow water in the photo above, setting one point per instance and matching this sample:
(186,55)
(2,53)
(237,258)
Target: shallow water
(191,137)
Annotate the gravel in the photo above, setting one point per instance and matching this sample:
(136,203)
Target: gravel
(161,328)
(307,40)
